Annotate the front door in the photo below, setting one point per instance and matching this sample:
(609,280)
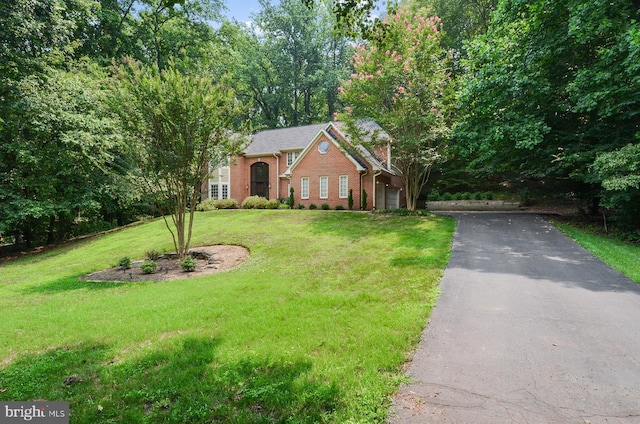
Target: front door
(260,179)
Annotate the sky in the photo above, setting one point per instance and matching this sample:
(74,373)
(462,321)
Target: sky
(241,10)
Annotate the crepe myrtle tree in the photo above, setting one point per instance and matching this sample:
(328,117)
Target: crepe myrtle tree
(178,123)
(401,80)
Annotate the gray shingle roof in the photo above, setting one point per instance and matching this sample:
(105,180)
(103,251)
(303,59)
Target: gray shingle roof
(283,139)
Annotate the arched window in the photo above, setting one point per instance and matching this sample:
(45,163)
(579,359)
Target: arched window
(260,179)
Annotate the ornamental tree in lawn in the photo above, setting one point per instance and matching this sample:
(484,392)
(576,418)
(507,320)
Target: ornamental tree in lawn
(401,81)
(178,123)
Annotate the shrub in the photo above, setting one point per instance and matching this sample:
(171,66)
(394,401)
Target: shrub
(477,196)
(211,204)
(272,204)
(364,200)
(254,202)
(124,262)
(188,265)
(205,205)
(339,208)
(434,196)
(465,196)
(226,203)
(487,195)
(313,206)
(153,255)
(148,267)
(300,206)
(325,207)
(350,199)
(447,196)
(291,200)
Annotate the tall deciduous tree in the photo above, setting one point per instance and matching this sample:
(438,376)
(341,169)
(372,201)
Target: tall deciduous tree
(179,123)
(402,82)
(552,86)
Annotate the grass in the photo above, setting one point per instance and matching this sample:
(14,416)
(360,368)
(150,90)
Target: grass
(620,255)
(314,327)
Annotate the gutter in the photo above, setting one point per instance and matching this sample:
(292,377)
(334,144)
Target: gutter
(277,175)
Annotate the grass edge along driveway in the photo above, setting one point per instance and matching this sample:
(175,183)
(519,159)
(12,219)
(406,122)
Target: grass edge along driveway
(314,327)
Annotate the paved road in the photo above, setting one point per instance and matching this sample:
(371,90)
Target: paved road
(529,328)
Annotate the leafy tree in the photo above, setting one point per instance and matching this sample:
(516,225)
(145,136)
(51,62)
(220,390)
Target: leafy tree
(401,81)
(552,86)
(63,157)
(292,62)
(179,123)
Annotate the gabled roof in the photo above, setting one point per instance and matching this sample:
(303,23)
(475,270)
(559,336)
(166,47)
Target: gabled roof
(283,139)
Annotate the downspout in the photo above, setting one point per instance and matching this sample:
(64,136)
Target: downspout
(275,155)
(375,193)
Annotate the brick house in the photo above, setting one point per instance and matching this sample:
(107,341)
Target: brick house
(318,162)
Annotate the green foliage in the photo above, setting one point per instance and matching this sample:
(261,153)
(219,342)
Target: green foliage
(124,262)
(350,199)
(148,267)
(313,206)
(179,122)
(188,264)
(213,204)
(402,82)
(325,207)
(364,200)
(273,204)
(291,200)
(552,87)
(153,255)
(339,207)
(256,202)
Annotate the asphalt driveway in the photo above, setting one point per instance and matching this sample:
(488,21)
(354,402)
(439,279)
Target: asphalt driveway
(529,328)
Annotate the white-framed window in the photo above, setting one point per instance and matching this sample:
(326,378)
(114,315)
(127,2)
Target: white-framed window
(343,186)
(324,187)
(291,157)
(219,191)
(304,187)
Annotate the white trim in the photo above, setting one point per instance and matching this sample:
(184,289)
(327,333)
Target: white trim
(302,187)
(324,187)
(343,194)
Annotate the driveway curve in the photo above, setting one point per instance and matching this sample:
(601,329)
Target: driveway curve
(529,328)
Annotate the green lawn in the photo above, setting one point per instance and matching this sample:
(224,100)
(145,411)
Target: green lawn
(620,255)
(314,327)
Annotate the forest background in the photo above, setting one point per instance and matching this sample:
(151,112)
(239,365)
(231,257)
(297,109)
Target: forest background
(543,96)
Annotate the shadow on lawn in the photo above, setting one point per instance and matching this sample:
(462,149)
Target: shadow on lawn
(68,284)
(179,385)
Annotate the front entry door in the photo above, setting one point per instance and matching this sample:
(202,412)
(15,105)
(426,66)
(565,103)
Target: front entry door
(260,179)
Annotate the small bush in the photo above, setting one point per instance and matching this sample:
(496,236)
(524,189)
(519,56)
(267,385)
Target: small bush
(447,196)
(434,196)
(487,195)
(188,265)
(465,196)
(254,202)
(313,206)
(148,267)
(325,207)
(300,206)
(477,196)
(205,205)
(339,208)
(211,204)
(226,203)
(153,255)
(124,262)
(350,199)
(272,204)
(291,201)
